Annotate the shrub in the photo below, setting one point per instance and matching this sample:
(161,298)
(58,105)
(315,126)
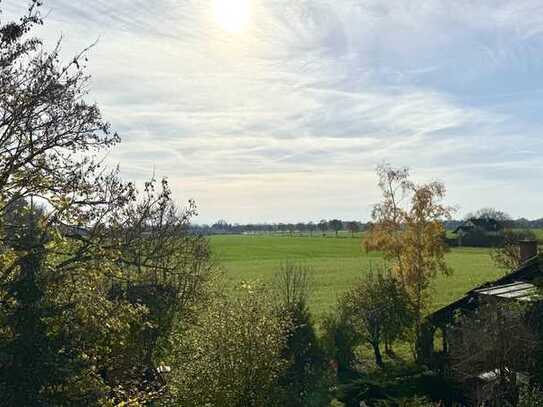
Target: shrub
(340,340)
(530,397)
(233,356)
(307,379)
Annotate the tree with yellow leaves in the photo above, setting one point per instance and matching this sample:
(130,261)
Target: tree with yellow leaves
(407,227)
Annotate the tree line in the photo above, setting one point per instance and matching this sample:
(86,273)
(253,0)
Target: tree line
(322,227)
(352,227)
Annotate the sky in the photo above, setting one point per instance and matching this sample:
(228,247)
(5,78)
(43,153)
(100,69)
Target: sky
(280,110)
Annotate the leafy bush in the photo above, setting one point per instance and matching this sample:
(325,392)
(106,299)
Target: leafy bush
(530,397)
(233,354)
(340,340)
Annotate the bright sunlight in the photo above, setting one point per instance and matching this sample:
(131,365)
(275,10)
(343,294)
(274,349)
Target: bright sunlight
(232,15)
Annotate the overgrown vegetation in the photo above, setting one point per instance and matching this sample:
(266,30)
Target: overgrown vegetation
(93,272)
(233,354)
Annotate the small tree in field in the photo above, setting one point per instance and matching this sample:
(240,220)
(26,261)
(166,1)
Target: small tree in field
(340,338)
(379,310)
(407,226)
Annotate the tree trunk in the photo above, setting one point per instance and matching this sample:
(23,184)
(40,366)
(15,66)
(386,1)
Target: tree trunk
(378,356)
(388,348)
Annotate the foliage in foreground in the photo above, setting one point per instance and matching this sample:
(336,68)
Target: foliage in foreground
(308,377)
(90,282)
(530,397)
(255,347)
(232,356)
(397,386)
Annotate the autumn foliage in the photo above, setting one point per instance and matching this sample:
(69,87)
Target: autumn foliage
(407,227)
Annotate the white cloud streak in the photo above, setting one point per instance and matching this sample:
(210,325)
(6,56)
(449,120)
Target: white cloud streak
(288,120)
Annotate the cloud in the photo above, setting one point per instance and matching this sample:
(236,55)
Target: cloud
(288,120)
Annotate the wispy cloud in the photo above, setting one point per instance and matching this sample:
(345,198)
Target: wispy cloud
(287,120)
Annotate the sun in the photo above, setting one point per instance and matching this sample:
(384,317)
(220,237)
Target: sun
(232,15)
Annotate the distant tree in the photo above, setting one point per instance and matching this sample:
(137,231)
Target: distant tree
(353,227)
(323,226)
(282,227)
(491,214)
(291,227)
(336,225)
(221,226)
(380,311)
(311,227)
(301,227)
(407,226)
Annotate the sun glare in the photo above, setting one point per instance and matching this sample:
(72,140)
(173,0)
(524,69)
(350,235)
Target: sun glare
(232,15)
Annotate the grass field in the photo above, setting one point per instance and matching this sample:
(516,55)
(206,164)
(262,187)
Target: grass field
(336,264)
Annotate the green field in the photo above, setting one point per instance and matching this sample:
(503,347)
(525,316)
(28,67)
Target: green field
(336,264)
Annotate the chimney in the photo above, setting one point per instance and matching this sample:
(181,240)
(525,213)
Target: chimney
(528,249)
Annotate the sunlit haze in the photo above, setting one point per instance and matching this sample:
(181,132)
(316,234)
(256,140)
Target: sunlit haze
(280,110)
(232,15)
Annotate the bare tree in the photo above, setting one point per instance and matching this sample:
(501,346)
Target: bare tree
(293,283)
(508,256)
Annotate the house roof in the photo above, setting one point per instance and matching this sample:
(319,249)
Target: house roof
(520,283)
(519,290)
(487,224)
